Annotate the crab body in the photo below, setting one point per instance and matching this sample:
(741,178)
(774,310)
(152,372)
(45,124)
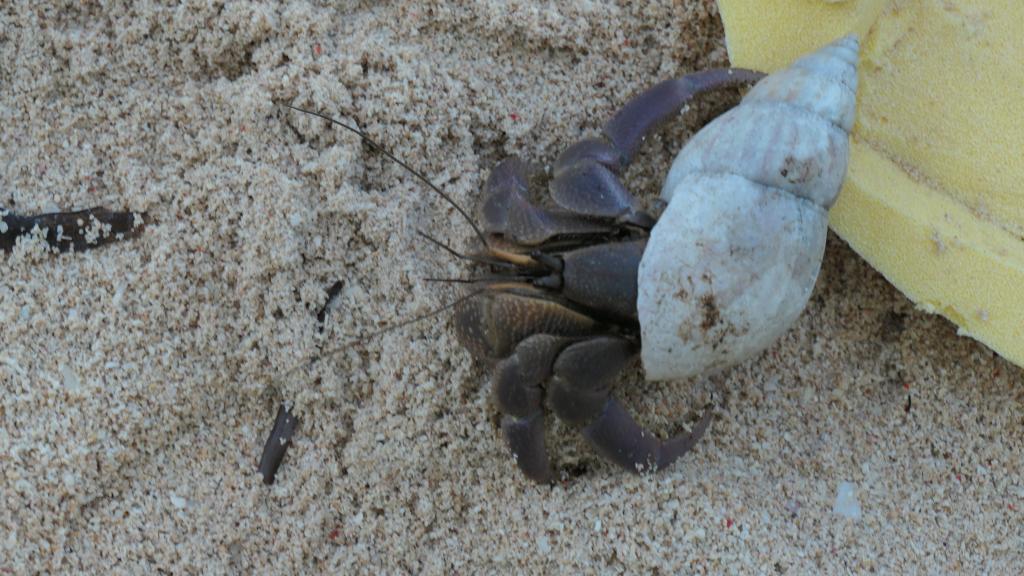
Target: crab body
(579,289)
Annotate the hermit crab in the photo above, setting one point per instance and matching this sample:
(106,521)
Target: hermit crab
(574,291)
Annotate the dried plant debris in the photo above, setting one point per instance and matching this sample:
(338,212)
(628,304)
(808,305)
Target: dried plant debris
(277,444)
(67,231)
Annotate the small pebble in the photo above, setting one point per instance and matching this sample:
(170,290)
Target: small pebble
(846,501)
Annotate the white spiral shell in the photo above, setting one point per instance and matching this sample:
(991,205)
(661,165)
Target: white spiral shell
(732,261)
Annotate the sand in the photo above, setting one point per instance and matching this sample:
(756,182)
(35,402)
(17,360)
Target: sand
(139,380)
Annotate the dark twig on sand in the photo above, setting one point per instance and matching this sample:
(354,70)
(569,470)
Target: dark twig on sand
(332,293)
(277,443)
(68,231)
(285,424)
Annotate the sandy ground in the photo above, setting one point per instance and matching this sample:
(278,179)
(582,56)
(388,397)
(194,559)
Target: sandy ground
(139,380)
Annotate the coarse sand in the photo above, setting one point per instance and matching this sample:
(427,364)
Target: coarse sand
(138,381)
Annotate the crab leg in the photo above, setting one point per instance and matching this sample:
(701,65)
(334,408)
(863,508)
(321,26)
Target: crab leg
(580,393)
(586,174)
(516,388)
(507,209)
(620,439)
(641,115)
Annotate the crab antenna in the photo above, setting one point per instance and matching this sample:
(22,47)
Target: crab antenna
(345,345)
(396,160)
(451,280)
(477,280)
(470,257)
